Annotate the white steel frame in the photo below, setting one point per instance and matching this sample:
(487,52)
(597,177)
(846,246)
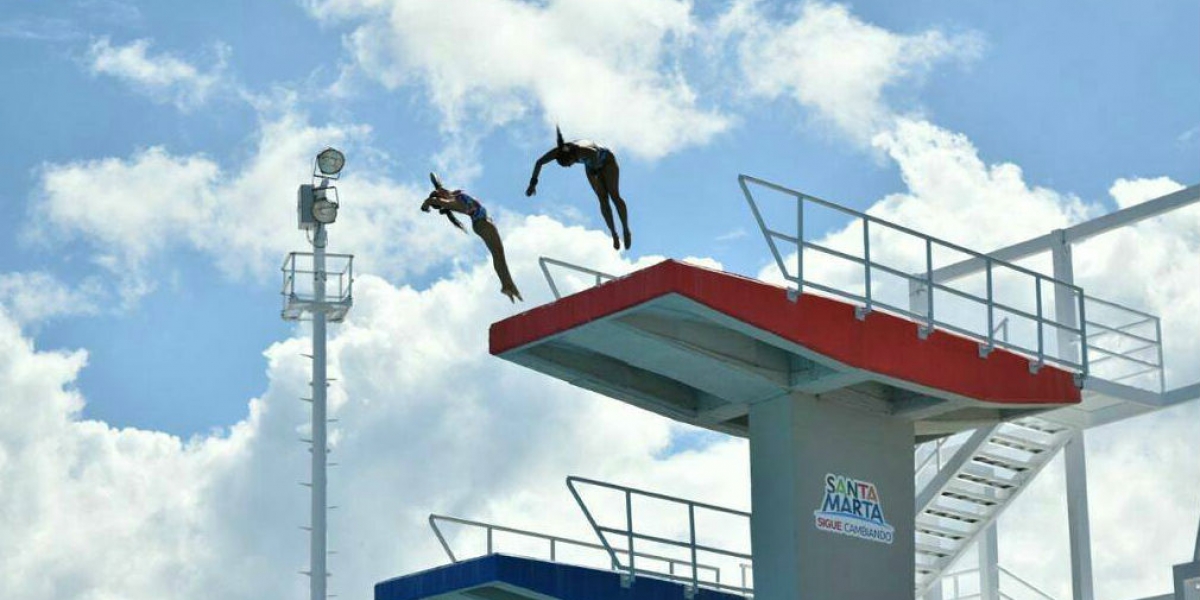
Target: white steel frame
(1059,244)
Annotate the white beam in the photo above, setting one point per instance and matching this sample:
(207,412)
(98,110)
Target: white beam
(1078,526)
(1182,394)
(1076,233)
(989,561)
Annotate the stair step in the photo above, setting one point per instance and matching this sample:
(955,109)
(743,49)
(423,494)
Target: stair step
(990,456)
(928,562)
(973,492)
(954,529)
(1023,443)
(933,550)
(1044,438)
(1037,424)
(953,513)
(985,474)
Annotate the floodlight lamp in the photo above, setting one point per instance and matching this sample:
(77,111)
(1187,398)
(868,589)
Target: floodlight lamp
(330,162)
(325,207)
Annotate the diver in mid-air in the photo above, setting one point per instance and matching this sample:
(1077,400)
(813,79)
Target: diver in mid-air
(603,174)
(448,202)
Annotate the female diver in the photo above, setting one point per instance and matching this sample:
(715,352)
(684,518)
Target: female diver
(603,173)
(447,202)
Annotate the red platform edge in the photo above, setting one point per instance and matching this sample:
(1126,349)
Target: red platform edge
(881,343)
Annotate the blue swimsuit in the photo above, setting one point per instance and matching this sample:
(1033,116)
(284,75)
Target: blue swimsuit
(595,164)
(474,209)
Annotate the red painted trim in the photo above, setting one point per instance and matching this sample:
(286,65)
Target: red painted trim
(881,343)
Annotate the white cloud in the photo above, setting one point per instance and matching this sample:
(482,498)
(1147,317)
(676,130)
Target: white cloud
(600,70)
(134,211)
(33,297)
(835,64)
(163,77)
(217,514)
(951,191)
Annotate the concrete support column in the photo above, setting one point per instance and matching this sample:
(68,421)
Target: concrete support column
(832,493)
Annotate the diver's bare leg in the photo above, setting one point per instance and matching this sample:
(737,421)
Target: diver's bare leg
(612,182)
(605,210)
(486,230)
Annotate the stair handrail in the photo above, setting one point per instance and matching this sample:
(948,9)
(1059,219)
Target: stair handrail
(1000,570)
(632,535)
(926,282)
(555,541)
(545,260)
(1028,586)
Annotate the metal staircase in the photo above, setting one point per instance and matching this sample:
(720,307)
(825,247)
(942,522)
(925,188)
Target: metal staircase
(970,479)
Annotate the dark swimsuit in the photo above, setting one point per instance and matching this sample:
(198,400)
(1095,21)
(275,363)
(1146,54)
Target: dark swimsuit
(595,164)
(474,209)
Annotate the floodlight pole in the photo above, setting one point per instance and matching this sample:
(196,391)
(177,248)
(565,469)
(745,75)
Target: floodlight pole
(320,385)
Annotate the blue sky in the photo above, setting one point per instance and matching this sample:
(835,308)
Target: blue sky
(178,309)
(1076,99)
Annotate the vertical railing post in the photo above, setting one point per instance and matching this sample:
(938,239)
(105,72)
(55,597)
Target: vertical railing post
(629,527)
(867,262)
(991,304)
(799,246)
(1041,342)
(929,282)
(1162,371)
(692,528)
(552,556)
(1083,349)
(489,540)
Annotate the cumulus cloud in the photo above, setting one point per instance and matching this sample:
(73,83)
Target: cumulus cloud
(494,446)
(137,210)
(606,71)
(163,77)
(833,63)
(36,296)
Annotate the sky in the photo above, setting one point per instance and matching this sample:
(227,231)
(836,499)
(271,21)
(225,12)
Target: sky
(149,388)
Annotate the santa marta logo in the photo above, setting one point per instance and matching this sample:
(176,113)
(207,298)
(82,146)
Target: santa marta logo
(852,507)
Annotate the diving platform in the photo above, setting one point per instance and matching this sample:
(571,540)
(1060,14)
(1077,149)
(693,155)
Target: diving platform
(703,346)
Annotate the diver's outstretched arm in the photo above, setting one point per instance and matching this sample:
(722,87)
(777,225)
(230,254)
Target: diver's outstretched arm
(537,170)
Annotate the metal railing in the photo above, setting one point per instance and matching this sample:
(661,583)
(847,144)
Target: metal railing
(555,543)
(298,294)
(954,586)
(1126,344)
(1047,327)
(631,535)
(543,262)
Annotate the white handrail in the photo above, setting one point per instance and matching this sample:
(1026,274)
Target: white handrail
(555,542)
(630,533)
(926,284)
(955,594)
(544,261)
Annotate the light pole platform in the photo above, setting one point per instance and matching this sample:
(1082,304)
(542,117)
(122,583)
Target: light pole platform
(702,346)
(503,577)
